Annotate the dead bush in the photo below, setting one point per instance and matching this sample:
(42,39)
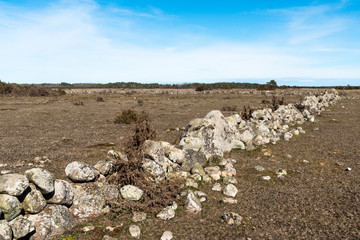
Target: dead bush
(228,108)
(276,102)
(140,102)
(99,99)
(246,113)
(78,103)
(129,116)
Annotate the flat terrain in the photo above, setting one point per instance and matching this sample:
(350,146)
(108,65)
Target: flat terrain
(318,199)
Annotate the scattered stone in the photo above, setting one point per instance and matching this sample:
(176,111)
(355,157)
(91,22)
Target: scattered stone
(166,213)
(134,231)
(217,187)
(34,202)
(192,203)
(191,183)
(138,216)
(230,190)
(63,193)
(87,229)
(316,129)
(113,228)
(280,173)
(206,178)
(348,169)
(259,168)
(232,218)
(5,230)
(228,200)
(2,165)
(196,177)
(21,226)
(5,172)
(197,169)
(13,184)
(10,206)
(104,167)
(106,237)
(167,235)
(288,156)
(42,160)
(305,161)
(229,180)
(213,172)
(201,196)
(42,178)
(81,172)
(130,192)
(266,178)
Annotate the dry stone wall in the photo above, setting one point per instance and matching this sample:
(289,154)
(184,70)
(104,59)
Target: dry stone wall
(37,206)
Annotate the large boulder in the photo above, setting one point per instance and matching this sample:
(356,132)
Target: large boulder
(10,206)
(34,202)
(53,221)
(13,184)
(90,199)
(63,193)
(81,172)
(5,230)
(212,135)
(21,227)
(42,178)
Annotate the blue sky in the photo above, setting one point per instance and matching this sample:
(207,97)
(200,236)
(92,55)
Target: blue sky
(312,43)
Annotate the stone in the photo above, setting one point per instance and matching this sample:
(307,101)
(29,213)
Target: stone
(43,179)
(21,226)
(266,178)
(230,190)
(154,151)
(239,145)
(13,184)
(192,157)
(228,200)
(42,160)
(176,155)
(130,192)
(191,183)
(206,178)
(228,172)
(34,202)
(167,235)
(10,206)
(5,230)
(287,136)
(104,167)
(154,169)
(139,216)
(52,221)
(79,172)
(5,172)
(106,237)
(87,229)
(232,218)
(134,231)
(201,196)
(228,180)
(166,213)
(259,168)
(197,169)
(113,228)
(63,193)
(89,200)
(280,173)
(217,187)
(192,203)
(196,177)
(213,172)
(118,155)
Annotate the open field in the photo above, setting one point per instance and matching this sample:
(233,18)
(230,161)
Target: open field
(316,200)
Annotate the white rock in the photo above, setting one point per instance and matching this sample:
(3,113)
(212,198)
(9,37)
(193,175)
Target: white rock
(230,190)
(266,178)
(229,200)
(42,178)
(138,216)
(192,203)
(81,172)
(213,172)
(5,230)
(191,183)
(134,231)
(130,192)
(216,187)
(13,184)
(166,213)
(63,193)
(167,235)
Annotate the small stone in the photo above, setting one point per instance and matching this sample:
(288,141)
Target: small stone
(232,218)
(104,167)
(13,184)
(305,161)
(288,156)
(138,216)
(87,229)
(197,169)
(81,172)
(206,178)
(316,129)
(130,192)
(113,228)
(5,172)
(134,231)
(201,196)
(280,173)
(192,203)
(42,178)
(106,237)
(228,200)
(230,190)
(259,168)
(266,178)
(167,235)
(213,172)
(228,180)
(166,213)
(196,177)
(191,183)
(5,230)
(216,187)
(348,169)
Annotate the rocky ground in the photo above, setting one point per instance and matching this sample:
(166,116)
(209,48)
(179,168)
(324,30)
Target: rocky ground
(317,198)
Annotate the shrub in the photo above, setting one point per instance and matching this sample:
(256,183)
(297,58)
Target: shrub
(99,99)
(78,103)
(126,117)
(200,88)
(140,102)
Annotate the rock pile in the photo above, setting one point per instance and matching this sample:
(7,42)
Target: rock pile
(37,206)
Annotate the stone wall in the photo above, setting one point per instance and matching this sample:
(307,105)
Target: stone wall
(37,206)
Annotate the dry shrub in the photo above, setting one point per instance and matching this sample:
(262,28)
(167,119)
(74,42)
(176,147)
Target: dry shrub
(276,102)
(229,108)
(129,116)
(99,99)
(156,195)
(246,113)
(140,102)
